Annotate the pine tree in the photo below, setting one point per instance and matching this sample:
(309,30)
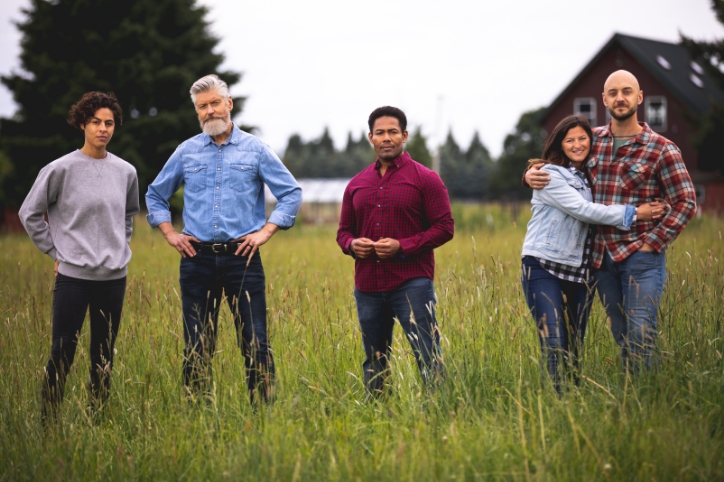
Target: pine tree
(148,52)
(524,144)
(417,148)
(451,159)
(357,155)
(474,175)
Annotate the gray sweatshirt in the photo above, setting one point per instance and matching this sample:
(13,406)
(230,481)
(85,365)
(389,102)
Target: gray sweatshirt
(90,205)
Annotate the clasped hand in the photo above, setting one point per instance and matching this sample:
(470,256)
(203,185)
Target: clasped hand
(384,248)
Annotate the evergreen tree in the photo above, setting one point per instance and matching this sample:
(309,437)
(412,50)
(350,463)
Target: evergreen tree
(524,144)
(356,156)
(148,52)
(451,158)
(295,155)
(417,148)
(323,157)
(319,158)
(466,174)
(474,174)
(710,127)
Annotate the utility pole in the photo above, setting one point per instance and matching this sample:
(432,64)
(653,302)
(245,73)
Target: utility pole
(438,118)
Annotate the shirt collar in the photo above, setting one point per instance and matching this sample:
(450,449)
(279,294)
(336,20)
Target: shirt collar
(640,138)
(395,163)
(233,138)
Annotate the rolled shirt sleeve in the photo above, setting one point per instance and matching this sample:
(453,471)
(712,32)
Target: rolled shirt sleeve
(167,182)
(283,186)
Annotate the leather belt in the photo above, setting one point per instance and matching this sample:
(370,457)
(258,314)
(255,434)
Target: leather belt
(216,248)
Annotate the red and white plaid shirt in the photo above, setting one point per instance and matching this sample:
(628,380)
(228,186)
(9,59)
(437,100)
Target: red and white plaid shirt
(410,204)
(647,167)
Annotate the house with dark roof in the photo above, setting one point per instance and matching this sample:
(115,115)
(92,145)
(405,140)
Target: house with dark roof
(676,89)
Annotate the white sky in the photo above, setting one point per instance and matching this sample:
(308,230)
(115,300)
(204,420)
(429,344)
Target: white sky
(466,65)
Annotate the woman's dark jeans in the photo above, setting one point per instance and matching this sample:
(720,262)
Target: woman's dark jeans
(71,299)
(560,309)
(205,279)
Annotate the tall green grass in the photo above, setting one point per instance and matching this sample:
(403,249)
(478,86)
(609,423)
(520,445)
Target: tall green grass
(490,420)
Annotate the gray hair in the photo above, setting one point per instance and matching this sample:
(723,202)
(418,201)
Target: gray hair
(207,83)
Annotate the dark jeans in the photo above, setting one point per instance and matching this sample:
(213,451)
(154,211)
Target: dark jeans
(560,309)
(630,292)
(71,299)
(204,279)
(413,304)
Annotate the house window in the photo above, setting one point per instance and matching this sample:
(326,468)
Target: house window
(586,106)
(655,109)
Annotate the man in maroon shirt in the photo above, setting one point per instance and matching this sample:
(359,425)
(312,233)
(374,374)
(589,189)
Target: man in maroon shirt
(394,213)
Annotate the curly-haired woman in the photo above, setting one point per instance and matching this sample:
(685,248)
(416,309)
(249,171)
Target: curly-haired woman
(90,197)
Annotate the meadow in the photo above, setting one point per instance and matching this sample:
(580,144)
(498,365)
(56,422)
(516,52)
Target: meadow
(491,419)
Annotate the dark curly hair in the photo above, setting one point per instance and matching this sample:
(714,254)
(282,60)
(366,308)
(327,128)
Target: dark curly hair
(81,112)
(387,111)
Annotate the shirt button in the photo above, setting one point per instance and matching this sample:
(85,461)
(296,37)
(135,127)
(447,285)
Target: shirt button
(380,187)
(378,224)
(216,207)
(379,205)
(217,187)
(219,150)
(218,168)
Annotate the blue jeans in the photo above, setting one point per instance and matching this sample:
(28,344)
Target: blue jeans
(72,298)
(204,279)
(560,309)
(630,292)
(413,304)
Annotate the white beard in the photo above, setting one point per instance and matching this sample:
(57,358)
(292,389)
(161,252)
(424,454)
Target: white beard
(216,126)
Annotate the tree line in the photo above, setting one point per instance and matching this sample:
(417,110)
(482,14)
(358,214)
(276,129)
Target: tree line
(470,174)
(150,51)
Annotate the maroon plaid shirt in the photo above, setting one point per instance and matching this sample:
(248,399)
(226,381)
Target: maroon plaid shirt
(649,166)
(409,204)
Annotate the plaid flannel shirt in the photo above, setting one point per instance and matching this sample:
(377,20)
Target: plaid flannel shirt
(647,167)
(410,204)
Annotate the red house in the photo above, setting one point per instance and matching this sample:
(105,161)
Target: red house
(675,90)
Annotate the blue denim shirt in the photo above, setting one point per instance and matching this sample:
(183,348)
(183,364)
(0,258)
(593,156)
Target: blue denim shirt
(561,213)
(224,187)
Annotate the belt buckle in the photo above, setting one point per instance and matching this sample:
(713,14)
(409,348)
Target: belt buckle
(218,248)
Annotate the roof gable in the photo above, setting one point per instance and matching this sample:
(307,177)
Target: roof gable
(676,79)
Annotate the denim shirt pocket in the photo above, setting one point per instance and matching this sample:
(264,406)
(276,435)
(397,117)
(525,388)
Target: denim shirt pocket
(242,176)
(195,178)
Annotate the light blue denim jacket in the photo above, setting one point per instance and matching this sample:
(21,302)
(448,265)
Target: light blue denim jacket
(224,187)
(561,213)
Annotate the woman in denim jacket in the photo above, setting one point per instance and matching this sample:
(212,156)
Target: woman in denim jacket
(557,245)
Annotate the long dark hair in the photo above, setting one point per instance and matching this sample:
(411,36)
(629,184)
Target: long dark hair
(553,149)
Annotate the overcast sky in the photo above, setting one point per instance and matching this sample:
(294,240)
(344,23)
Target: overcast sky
(460,65)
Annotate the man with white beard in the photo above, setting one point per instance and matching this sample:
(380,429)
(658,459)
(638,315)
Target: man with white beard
(223,171)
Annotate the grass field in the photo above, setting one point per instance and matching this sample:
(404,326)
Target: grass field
(490,420)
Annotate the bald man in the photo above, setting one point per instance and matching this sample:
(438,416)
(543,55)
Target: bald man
(631,164)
